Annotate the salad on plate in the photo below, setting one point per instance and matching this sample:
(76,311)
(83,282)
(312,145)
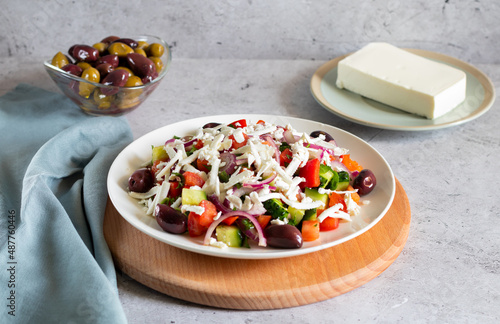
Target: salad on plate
(245,183)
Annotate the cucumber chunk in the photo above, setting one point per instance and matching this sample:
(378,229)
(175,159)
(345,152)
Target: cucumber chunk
(159,154)
(296,215)
(325,175)
(276,209)
(193,196)
(334,181)
(343,181)
(311,214)
(230,235)
(315,195)
(339,181)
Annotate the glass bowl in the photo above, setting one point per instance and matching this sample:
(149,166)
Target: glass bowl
(90,96)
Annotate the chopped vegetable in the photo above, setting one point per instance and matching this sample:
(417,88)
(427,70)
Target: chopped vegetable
(239,182)
(310,172)
(310,230)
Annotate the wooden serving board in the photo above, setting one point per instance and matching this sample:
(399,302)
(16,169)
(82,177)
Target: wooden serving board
(259,284)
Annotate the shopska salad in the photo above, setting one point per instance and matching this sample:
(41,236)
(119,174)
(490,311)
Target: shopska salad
(251,182)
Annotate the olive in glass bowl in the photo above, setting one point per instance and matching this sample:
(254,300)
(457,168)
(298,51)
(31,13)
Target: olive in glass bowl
(111,80)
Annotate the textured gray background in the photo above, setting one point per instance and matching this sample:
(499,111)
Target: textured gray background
(257,29)
(259,56)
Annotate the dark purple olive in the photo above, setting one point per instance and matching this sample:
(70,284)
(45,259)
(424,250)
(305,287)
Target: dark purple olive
(229,163)
(141,65)
(114,60)
(364,182)
(116,78)
(142,180)
(317,133)
(283,236)
(72,69)
(128,41)
(104,69)
(149,78)
(211,125)
(170,220)
(109,39)
(70,50)
(84,53)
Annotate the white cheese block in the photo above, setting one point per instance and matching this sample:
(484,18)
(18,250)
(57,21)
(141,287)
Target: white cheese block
(403,80)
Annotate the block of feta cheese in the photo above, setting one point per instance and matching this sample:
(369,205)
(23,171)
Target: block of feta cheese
(403,80)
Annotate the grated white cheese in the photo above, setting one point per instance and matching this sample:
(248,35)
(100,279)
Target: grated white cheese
(234,201)
(176,203)
(165,172)
(352,207)
(279,221)
(334,212)
(238,177)
(145,195)
(306,203)
(217,244)
(192,208)
(160,195)
(238,135)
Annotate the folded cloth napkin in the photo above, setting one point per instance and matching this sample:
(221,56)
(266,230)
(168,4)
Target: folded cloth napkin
(54,159)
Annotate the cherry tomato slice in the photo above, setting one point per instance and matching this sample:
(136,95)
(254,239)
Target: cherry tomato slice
(238,123)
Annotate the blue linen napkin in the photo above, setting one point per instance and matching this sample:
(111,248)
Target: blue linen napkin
(55,264)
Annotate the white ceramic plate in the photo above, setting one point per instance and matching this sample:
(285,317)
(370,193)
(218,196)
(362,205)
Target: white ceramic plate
(480,95)
(134,155)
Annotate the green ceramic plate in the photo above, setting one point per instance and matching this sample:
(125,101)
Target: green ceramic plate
(351,106)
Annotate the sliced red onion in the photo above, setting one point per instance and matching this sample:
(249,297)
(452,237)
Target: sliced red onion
(229,161)
(186,141)
(227,203)
(314,146)
(259,184)
(289,137)
(241,161)
(220,206)
(211,228)
(319,147)
(270,140)
(251,233)
(189,142)
(238,192)
(170,141)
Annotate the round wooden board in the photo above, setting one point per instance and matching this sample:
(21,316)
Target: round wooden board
(259,284)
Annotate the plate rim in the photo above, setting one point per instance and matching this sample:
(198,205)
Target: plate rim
(212,251)
(484,80)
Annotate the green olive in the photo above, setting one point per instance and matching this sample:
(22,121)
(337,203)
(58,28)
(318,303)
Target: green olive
(142,44)
(130,97)
(156,50)
(83,65)
(133,81)
(59,60)
(102,101)
(89,74)
(129,101)
(158,63)
(140,51)
(101,47)
(120,49)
